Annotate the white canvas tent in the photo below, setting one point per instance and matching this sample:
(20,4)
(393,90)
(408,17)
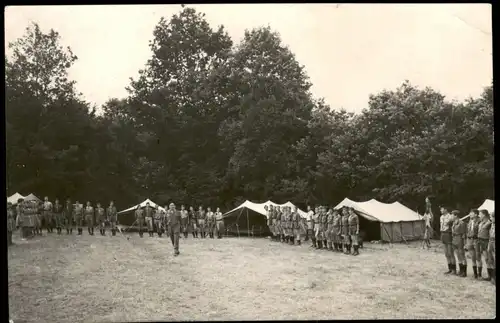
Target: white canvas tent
(32,197)
(255,216)
(392,222)
(143,204)
(14,197)
(488,205)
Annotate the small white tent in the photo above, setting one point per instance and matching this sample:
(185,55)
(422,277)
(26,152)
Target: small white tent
(488,205)
(32,197)
(392,222)
(143,204)
(13,198)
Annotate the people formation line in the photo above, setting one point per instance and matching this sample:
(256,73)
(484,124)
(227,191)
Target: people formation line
(333,230)
(477,237)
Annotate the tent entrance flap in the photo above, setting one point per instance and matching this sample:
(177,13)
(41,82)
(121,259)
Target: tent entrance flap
(245,221)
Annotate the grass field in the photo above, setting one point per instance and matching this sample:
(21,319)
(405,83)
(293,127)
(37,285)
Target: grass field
(104,279)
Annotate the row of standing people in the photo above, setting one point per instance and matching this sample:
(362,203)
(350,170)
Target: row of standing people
(334,230)
(200,223)
(477,237)
(33,216)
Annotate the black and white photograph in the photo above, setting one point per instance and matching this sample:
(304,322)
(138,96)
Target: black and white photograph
(229,162)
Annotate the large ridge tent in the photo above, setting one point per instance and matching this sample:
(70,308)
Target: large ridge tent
(251,217)
(32,197)
(14,197)
(488,205)
(392,222)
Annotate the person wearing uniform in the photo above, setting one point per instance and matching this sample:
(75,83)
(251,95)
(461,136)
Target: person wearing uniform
(167,221)
(329,229)
(112,215)
(269,220)
(309,215)
(491,250)
(289,220)
(210,223)
(325,227)
(337,231)
(354,231)
(345,231)
(297,225)
(139,217)
(89,218)
(318,221)
(100,215)
(472,244)
(68,216)
(148,217)
(428,217)
(11,222)
(314,223)
(483,235)
(57,213)
(47,215)
(201,222)
(219,222)
(175,227)
(283,218)
(459,231)
(193,220)
(277,226)
(78,217)
(446,221)
(159,219)
(25,218)
(184,221)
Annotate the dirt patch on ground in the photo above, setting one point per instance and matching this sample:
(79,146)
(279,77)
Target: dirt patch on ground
(102,279)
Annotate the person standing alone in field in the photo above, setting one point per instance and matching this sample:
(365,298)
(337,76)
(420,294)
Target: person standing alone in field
(175,227)
(472,246)
(483,235)
(459,230)
(219,222)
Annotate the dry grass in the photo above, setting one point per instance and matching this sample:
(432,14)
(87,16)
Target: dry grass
(103,279)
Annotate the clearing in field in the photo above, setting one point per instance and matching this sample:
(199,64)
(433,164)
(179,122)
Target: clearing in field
(95,278)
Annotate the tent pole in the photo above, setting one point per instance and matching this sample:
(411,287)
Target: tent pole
(248,223)
(237,226)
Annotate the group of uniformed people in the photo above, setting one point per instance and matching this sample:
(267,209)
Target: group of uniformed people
(334,230)
(476,237)
(32,216)
(205,223)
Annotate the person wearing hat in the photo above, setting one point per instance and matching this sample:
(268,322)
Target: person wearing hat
(112,215)
(459,230)
(101,218)
(139,217)
(175,227)
(68,216)
(11,222)
(491,249)
(472,246)
(483,236)
(446,222)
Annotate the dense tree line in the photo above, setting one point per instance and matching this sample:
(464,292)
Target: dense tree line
(208,122)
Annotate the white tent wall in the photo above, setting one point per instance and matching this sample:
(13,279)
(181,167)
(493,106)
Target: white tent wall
(14,197)
(488,205)
(397,222)
(143,204)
